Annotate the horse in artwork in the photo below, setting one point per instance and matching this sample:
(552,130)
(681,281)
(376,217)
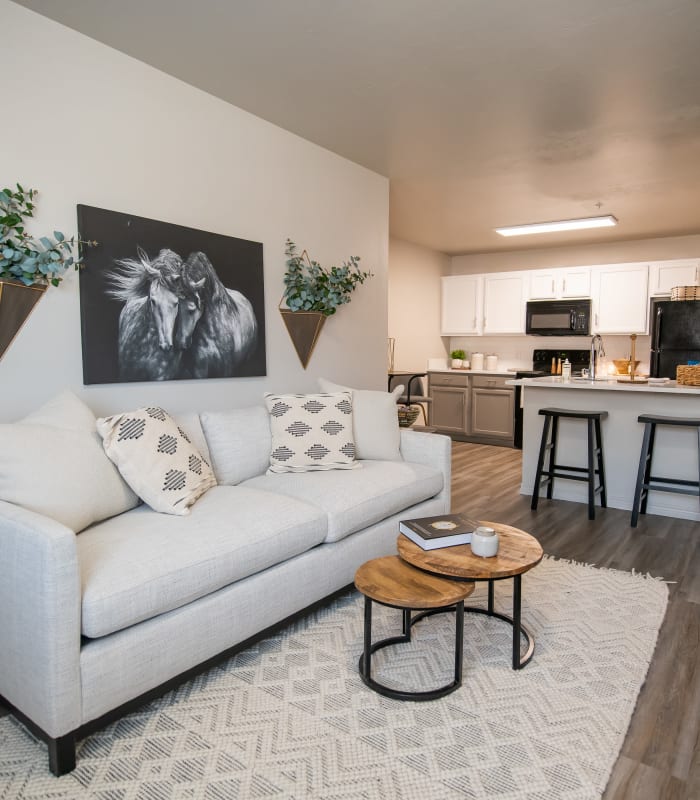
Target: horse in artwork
(226,332)
(151,290)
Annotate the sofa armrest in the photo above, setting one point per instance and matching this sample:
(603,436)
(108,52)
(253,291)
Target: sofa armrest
(433,450)
(40,619)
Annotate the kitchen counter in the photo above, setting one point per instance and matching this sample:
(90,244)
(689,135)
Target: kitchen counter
(675,451)
(577,384)
(501,372)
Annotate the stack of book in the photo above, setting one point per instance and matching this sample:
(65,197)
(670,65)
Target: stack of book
(447,530)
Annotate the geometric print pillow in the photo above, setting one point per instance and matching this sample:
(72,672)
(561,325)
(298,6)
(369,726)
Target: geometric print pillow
(311,432)
(156,458)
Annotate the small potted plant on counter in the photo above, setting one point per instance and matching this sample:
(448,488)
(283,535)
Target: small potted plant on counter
(457,358)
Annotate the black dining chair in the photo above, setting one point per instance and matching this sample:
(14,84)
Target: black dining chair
(414,394)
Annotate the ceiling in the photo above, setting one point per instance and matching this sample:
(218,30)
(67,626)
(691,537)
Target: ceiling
(481,112)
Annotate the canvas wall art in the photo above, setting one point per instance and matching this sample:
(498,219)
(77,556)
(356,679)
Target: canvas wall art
(165,302)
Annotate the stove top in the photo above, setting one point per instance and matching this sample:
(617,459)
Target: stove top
(547,360)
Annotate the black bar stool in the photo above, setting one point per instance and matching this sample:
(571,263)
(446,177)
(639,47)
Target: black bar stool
(645,480)
(554,470)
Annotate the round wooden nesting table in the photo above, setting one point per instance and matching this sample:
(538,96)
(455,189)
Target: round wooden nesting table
(518,552)
(392,582)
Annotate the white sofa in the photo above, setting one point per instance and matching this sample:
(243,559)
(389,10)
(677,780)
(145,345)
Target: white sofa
(93,624)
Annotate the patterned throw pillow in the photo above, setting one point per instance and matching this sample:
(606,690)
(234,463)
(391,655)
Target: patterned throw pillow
(156,458)
(311,432)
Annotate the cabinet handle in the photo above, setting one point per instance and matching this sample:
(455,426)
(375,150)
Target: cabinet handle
(696,275)
(474,323)
(552,285)
(596,320)
(564,287)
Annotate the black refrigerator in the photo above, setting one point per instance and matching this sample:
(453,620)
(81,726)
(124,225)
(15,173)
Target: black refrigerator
(675,336)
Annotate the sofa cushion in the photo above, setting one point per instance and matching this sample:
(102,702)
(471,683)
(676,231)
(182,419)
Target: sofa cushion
(239,442)
(52,462)
(141,564)
(375,421)
(156,458)
(358,498)
(65,411)
(311,432)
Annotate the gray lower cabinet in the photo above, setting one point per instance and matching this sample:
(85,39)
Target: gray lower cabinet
(449,409)
(474,408)
(492,408)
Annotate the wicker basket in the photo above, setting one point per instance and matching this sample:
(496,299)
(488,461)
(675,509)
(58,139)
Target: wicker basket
(685,293)
(688,374)
(408,415)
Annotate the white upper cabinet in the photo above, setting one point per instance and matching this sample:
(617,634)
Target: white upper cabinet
(664,275)
(620,298)
(553,284)
(462,305)
(505,295)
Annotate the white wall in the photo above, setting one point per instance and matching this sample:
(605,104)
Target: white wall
(87,124)
(414,303)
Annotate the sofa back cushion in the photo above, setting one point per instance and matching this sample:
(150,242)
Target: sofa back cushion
(239,443)
(375,421)
(52,462)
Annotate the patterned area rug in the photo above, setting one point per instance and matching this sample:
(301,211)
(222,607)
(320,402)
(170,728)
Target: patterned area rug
(290,718)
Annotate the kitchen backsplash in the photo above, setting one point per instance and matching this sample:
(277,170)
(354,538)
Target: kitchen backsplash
(515,352)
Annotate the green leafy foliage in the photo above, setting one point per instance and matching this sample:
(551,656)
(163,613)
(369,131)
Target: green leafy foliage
(458,354)
(311,287)
(31,261)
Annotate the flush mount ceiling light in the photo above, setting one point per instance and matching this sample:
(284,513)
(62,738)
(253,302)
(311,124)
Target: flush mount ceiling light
(562,225)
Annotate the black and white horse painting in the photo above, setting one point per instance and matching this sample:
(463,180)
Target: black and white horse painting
(227,330)
(162,302)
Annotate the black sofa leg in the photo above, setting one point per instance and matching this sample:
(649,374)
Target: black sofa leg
(62,754)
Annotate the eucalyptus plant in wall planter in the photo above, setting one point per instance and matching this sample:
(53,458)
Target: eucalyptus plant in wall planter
(312,293)
(28,265)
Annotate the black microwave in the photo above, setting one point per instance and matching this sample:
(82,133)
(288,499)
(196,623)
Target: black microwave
(558,317)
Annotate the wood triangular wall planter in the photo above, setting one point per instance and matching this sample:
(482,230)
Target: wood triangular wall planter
(304,328)
(17,302)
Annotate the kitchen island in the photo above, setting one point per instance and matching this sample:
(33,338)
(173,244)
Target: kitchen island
(675,451)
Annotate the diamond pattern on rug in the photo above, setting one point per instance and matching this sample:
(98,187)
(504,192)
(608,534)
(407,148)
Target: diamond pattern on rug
(290,717)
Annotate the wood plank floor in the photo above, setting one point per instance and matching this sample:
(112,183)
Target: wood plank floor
(660,758)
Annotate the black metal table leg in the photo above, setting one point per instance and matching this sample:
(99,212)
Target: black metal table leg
(519,632)
(516,621)
(365,662)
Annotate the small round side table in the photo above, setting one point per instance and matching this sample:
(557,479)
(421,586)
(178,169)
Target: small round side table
(392,582)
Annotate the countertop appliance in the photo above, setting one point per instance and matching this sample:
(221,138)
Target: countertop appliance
(543,361)
(558,317)
(675,336)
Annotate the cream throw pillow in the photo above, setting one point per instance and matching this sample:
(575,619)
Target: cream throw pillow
(375,421)
(156,458)
(52,462)
(311,432)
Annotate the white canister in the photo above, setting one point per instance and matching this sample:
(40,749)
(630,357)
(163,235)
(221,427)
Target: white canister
(484,542)
(477,360)
(491,363)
